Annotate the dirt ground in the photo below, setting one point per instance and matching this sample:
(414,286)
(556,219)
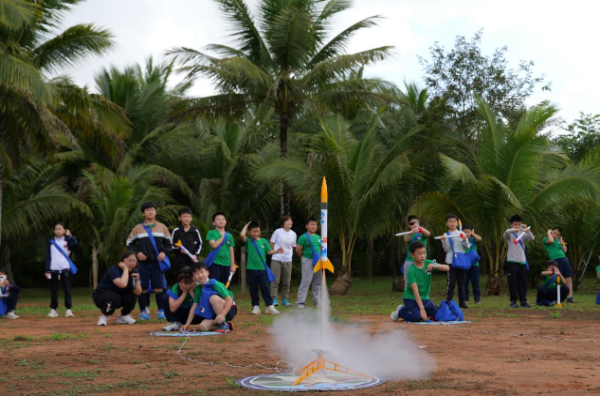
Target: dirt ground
(72,356)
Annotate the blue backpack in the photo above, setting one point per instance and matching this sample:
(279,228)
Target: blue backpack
(459,260)
(598,298)
(449,312)
(472,254)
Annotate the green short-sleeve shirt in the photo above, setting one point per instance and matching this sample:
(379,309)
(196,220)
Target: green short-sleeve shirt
(222,290)
(421,278)
(554,250)
(223,257)
(188,301)
(419,238)
(548,283)
(597,269)
(315,240)
(474,248)
(255,262)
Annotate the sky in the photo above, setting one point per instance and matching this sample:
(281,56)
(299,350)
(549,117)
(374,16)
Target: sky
(558,36)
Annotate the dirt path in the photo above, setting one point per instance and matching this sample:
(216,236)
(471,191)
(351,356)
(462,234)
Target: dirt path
(72,356)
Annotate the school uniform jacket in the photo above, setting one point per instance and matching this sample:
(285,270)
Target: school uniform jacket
(191,240)
(67,247)
(139,241)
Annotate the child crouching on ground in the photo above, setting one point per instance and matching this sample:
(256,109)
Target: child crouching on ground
(9,295)
(548,294)
(417,305)
(216,306)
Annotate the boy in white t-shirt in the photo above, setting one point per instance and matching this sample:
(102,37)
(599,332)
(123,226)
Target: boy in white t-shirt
(281,263)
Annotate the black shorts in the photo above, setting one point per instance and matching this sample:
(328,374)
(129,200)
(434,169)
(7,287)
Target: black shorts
(150,272)
(564,266)
(230,315)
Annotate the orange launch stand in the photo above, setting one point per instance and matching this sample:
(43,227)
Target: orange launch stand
(321,363)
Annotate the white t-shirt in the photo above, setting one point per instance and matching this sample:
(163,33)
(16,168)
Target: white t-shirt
(286,240)
(58,262)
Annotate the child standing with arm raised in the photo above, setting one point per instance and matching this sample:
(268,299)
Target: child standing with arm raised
(60,268)
(455,241)
(556,248)
(473,274)
(256,269)
(516,261)
(222,262)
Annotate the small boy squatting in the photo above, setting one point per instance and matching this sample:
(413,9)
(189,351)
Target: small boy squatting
(417,305)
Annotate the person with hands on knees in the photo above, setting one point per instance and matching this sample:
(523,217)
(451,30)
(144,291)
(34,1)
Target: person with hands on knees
(118,288)
(548,294)
(516,261)
(58,267)
(455,241)
(556,248)
(417,305)
(179,300)
(150,272)
(258,248)
(418,234)
(221,241)
(215,306)
(9,295)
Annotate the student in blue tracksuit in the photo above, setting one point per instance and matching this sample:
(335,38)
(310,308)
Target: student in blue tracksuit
(58,267)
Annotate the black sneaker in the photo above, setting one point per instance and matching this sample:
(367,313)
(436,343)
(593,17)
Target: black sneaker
(525,305)
(463,305)
(513,304)
(571,300)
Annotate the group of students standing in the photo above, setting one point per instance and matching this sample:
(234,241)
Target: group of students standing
(417,269)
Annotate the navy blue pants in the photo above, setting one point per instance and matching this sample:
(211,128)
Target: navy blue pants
(259,279)
(220,273)
(411,312)
(551,295)
(473,275)
(564,266)
(13,297)
(181,315)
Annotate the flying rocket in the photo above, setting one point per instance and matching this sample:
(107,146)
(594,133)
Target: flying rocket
(324,263)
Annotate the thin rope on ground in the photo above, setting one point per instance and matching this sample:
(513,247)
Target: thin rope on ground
(291,367)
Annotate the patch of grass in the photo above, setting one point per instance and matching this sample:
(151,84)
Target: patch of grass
(23,362)
(87,374)
(171,374)
(471,372)
(90,361)
(23,338)
(83,335)
(108,347)
(107,335)
(61,337)
(555,315)
(231,382)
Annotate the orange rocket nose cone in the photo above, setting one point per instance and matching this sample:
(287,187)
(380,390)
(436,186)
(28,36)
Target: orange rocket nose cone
(324,191)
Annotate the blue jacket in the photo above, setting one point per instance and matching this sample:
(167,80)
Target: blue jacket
(71,243)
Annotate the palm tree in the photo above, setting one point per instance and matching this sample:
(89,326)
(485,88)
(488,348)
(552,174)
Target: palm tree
(362,176)
(514,171)
(29,51)
(284,62)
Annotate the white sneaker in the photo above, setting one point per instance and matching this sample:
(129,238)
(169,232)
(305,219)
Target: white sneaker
(125,319)
(396,314)
(69,314)
(53,314)
(12,315)
(255,310)
(271,310)
(174,326)
(102,321)
(300,306)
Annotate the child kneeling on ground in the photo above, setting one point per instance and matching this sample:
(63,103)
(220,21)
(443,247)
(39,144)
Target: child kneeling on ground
(417,305)
(547,294)
(9,295)
(215,306)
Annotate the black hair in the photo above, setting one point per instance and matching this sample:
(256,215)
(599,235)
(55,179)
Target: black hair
(60,223)
(253,224)
(4,271)
(183,211)
(414,246)
(411,217)
(451,216)
(551,263)
(128,253)
(198,266)
(147,205)
(468,227)
(311,219)
(185,276)
(214,216)
(515,218)
(558,229)
(184,270)
(284,219)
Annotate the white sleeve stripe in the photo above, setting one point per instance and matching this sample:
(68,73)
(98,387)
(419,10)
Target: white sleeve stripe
(200,244)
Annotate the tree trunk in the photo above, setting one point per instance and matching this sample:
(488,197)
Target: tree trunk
(284,122)
(341,285)
(94,267)
(370,252)
(495,284)
(6,263)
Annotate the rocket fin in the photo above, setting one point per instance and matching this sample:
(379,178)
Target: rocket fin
(324,265)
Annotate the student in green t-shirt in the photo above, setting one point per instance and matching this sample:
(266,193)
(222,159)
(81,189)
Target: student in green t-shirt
(178,301)
(258,248)
(473,273)
(225,261)
(556,248)
(417,305)
(418,234)
(547,294)
(308,243)
(214,305)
